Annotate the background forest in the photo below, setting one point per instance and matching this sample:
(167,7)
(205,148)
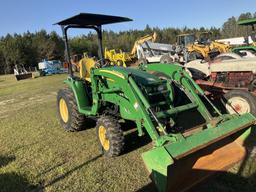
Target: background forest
(30,48)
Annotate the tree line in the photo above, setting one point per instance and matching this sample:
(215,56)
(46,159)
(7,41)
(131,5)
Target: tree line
(30,48)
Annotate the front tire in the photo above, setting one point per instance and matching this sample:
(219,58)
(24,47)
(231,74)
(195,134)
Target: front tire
(141,62)
(195,55)
(241,101)
(69,116)
(110,136)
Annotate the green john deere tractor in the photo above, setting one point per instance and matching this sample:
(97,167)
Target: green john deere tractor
(191,138)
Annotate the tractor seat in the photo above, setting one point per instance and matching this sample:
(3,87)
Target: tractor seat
(85,65)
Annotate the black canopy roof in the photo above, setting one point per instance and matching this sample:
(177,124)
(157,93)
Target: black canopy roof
(89,19)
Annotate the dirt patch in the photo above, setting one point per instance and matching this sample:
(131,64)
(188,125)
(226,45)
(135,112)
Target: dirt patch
(5,102)
(11,105)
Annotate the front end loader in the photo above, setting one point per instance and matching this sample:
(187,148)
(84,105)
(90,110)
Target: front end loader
(191,138)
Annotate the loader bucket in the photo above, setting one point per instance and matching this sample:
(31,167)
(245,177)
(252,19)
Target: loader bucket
(180,165)
(23,76)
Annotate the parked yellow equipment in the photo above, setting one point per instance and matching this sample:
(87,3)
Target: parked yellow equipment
(203,47)
(197,51)
(221,47)
(83,63)
(205,39)
(117,58)
(121,58)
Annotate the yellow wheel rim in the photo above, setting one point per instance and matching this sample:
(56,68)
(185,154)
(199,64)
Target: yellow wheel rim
(63,110)
(103,139)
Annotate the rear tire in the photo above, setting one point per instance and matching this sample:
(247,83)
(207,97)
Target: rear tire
(141,62)
(110,136)
(242,101)
(195,55)
(69,116)
(166,59)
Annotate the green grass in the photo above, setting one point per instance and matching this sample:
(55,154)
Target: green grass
(36,154)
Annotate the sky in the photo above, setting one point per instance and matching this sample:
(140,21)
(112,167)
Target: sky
(19,16)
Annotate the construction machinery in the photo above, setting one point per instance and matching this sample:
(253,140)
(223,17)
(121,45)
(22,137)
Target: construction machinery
(148,51)
(111,57)
(118,58)
(202,47)
(49,67)
(205,38)
(152,52)
(138,51)
(194,50)
(191,139)
(21,73)
(186,39)
(140,41)
(121,58)
(144,50)
(220,47)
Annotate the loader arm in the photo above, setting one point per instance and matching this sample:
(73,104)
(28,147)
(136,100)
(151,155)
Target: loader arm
(177,74)
(177,166)
(143,40)
(221,47)
(116,88)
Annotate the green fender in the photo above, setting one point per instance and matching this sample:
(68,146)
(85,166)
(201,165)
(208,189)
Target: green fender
(82,100)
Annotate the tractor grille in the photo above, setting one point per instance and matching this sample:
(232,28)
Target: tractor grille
(234,79)
(158,97)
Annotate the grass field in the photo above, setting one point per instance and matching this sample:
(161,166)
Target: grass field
(36,154)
